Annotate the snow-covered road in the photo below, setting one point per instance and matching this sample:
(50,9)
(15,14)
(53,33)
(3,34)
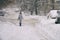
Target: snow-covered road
(10,31)
(32,29)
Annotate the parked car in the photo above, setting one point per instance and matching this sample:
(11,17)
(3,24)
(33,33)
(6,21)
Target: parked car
(2,13)
(54,14)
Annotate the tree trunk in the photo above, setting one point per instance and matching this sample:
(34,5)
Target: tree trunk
(36,7)
(36,11)
(52,4)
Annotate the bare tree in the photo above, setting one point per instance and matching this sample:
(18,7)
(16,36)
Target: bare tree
(52,1)
(4,3)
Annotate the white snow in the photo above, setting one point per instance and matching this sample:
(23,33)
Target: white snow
(53,13)
(33,27)
(10,31)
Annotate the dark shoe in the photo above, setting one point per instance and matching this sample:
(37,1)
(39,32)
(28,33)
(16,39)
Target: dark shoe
(20,24)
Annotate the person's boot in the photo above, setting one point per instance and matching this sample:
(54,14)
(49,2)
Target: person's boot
(20,24)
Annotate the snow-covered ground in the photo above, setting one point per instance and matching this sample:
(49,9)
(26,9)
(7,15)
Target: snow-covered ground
(33,28)
(9,31)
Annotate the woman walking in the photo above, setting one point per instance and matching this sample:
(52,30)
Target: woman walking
(20,18)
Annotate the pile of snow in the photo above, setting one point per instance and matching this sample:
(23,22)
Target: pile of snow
(45,20)
(49,32)
(48,21)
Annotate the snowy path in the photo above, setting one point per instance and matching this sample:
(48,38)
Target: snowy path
(29,30)
(9,31)
(46,28)
(33,28)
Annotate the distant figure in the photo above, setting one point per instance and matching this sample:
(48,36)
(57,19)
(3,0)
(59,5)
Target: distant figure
(20,18)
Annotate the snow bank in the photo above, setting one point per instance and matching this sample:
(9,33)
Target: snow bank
(48,31)
(45,20)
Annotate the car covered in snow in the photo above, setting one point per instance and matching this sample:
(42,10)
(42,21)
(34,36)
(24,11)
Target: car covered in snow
(54,14)
(2,13)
